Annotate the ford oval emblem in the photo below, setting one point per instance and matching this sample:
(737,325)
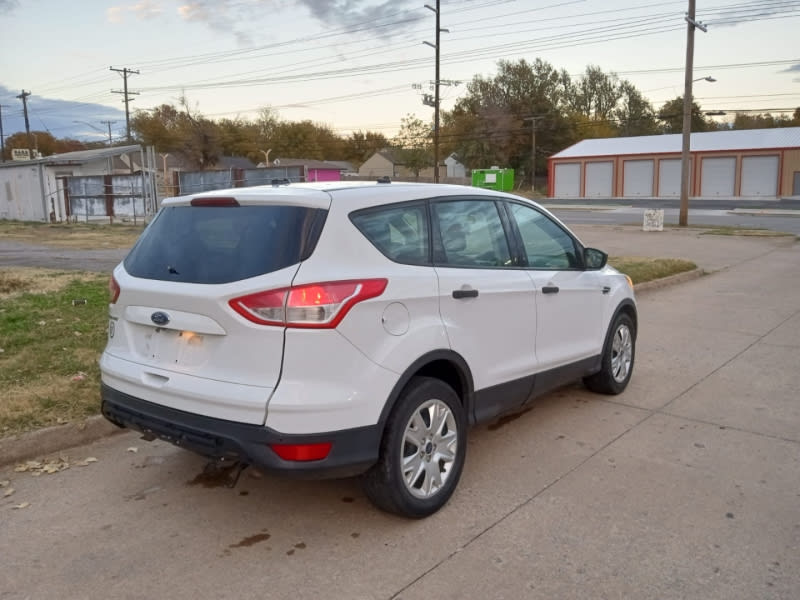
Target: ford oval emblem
(159,318)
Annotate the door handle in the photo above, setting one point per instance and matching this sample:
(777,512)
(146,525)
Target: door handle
(459,294)
(550,289)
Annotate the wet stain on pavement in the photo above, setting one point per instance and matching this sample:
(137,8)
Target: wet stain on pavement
(251,540)
(244,493)
(298,546)
(507,419)
(214,477)
(348,500)
(354,535)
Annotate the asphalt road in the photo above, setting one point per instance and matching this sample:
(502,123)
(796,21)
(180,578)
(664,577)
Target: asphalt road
(628,215)
(685,486)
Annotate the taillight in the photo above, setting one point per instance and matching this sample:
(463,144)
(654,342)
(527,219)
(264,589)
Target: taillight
(302,452)
(215,201)
(113,290)
(314,305)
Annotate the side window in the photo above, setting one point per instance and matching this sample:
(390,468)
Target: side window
(547,245)
(472,234)
(400,232)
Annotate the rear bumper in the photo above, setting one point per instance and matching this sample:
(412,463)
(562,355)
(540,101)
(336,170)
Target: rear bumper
(353,451)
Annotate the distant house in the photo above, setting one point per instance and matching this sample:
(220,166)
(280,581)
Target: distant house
(315,170)
(381,164)
(386,163)
(454,168)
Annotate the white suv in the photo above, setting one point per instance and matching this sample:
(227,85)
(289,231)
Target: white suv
(337,329)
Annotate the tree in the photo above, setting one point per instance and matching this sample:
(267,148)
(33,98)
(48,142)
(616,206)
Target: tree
(413,144)
(360,145)
(764,121)
(634,114)
(671,115)
(595,95)
(487,126)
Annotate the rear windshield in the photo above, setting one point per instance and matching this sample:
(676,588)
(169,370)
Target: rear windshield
(220,244)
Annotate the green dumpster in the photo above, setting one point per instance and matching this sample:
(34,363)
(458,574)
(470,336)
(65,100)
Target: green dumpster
(495,178)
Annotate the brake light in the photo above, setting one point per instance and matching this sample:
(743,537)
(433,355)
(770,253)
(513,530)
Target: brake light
(113,290)
(302,452)
(220,201)
(314,305)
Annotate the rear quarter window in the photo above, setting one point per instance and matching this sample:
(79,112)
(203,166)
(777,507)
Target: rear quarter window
(399,231)
(220,244)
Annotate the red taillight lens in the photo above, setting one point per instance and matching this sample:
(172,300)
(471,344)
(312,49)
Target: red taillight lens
(302,452)
(113,290)
(314,305)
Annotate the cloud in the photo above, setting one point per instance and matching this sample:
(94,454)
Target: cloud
(143,10)
(384,19)
(346,13)
(746,15)
(58,116)
(6,6)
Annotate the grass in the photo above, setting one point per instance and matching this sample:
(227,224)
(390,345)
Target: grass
(641,269)
(748,232)
(88,236)
(49,346)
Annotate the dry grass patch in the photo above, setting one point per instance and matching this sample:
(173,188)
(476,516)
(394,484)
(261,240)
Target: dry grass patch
(641,269)
(85,236)
(15,281)
(49,346)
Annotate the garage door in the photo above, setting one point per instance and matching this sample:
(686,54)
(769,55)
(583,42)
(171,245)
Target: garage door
(669,177)
(638,180)
(760,176)
(568,180)
(599,179)
(718,176)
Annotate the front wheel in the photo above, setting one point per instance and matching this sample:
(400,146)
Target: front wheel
(422,451)
(617,361)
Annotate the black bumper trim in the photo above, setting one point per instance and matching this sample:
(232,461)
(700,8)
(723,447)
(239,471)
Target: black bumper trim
(353,451)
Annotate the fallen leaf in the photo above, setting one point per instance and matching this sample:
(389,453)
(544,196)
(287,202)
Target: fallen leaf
(133,449)
(42,323)
(1,350)
(86,461)
(91,459)
(22,505)
(5,483)
(77,333)
(8,492)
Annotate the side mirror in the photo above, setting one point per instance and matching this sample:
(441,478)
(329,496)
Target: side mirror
(594,259)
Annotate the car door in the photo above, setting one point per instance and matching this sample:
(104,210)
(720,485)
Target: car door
(570,300)
(486,302)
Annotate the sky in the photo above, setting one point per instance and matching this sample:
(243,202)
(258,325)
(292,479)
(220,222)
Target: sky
(362,64)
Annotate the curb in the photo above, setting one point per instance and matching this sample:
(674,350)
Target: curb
(667,281)
(50,440)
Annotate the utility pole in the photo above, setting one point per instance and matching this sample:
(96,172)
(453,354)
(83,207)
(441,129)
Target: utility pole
(436,85)
(2,138)
(533,148)
(24,97)
(109,123)
(683,216)
(125,72)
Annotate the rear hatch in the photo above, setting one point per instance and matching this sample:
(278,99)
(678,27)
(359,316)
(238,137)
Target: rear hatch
(174,337)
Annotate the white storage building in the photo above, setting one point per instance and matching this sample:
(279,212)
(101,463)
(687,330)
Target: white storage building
(744,163)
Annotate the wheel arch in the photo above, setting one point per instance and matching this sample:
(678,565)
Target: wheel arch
(445,365)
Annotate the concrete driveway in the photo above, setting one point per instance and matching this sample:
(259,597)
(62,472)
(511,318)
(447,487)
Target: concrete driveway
(685,486)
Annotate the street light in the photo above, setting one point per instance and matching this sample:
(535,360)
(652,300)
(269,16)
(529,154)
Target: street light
(709,78)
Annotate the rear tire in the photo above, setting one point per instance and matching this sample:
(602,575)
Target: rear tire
(617,361)
(422,451)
